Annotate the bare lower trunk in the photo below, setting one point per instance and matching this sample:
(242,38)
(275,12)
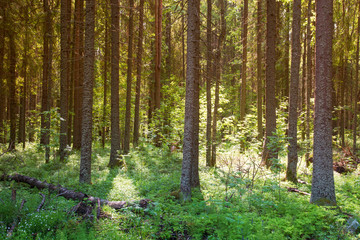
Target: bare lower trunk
(323,189)
(89,71)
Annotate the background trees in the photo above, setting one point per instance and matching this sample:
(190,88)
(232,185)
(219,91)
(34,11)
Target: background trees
(43,85)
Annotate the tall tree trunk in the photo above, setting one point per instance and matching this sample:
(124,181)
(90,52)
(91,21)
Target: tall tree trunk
(47,79)
(138,73)
(356,96)
(12,89)
(23,94)
(286,58)
(244,61)
(78,71)
(105,84)
(115,123)
(323,189)
(89,76)
(259,70)
(303,90)
(308,75)
(2,78)
(158,23)
(65,18)
(208,76)
(127,129)
(218,68)
(189,175)
(294,90)
(270,114)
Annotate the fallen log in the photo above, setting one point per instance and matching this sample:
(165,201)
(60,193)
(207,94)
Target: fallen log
(70,194)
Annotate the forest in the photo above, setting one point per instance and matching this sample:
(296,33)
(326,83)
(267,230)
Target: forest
(174,119)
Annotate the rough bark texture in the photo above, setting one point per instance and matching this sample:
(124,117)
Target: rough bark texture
(2,79)
(270,114)
(69,194)
(64,58)
(356,82)
(191,128)
(115,124)
(244,61)
(105,84)
(138,74)
(78,73)
(89,70)
(23,93)
(127,129)
(323,189)
(208,76)
(158,23)
(294,89)
(47,81)
(308,73)
(12,89)
(259,70)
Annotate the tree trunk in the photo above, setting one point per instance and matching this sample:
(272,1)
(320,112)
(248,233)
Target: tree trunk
(294,89)
(208,76)
(189,177)
(127,129)
(244,61)
(12,89)
(115,123)
(217,70)
(78,71)
(308,75)
(356,96)
(259,70)
(2,82)
(158,23)
(46,83)
(323,189)
(138,74)
(105,78)
(23,94)
(89,71)
(270,115)
(65,18)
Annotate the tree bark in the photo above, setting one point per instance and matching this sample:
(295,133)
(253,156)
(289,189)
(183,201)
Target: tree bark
(127,129)
(115,123)
(244,61)
(12,89)
(23,93)
(308,74)
(259,70)
(356,96)
(208,76)
(138,74)
(294,89)
(323,189)
(89,71)
(158,23)
(47,79)
(2,78)
(65,18)
(78,71)
(105,78)
(270,114)
(189,174)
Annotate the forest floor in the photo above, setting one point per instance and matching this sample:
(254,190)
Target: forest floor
(238,200)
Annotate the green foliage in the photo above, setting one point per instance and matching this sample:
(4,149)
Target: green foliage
(238,200)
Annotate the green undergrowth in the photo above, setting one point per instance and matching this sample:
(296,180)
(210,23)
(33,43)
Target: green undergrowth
(238,200)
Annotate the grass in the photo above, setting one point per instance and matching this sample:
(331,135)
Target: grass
(238,200)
